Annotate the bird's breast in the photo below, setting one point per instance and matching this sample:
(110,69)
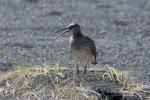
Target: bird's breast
(80,50)
(71,40)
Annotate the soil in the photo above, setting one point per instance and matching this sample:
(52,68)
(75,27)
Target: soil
(120,29)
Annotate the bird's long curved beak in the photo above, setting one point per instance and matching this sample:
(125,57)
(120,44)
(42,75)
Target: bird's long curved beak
(59,34)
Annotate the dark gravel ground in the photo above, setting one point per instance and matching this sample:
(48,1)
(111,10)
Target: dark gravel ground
(120,28)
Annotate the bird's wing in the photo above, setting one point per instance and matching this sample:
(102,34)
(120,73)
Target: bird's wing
(89,45)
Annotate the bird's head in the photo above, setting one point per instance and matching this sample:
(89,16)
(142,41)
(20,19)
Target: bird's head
(73,28)
(73,25)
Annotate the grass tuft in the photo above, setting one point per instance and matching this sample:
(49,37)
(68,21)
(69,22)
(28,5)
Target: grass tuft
(60,83)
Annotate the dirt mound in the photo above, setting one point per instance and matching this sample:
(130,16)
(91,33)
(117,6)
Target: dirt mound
(59,83)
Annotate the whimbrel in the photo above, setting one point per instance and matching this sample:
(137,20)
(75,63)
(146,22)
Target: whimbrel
(82,47)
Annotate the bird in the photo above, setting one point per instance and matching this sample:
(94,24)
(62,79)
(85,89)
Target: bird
(81,46)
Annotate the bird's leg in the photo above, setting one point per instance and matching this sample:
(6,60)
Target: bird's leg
(85,67)
(77,66)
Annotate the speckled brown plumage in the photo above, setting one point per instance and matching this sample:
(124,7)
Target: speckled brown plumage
(82,47)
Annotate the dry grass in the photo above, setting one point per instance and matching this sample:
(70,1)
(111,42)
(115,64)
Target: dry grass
(59,83)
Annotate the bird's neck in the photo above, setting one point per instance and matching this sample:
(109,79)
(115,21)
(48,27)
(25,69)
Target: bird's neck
(77,33)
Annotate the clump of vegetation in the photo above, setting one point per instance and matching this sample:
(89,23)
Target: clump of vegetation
(60,83)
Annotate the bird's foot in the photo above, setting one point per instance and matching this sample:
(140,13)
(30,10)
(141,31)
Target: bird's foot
(85,70)
(78,72)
